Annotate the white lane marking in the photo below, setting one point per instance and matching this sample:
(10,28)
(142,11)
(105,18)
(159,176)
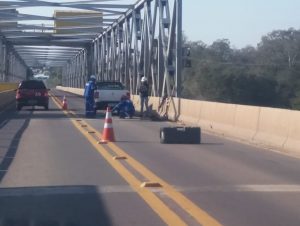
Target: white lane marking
(69,189)
(6,91)
(243,188)
(62,190)
(7,157)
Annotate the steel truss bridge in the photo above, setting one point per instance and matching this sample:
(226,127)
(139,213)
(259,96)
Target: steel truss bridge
(128,41)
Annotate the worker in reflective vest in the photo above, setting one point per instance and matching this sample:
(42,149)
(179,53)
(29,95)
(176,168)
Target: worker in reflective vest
(90,87)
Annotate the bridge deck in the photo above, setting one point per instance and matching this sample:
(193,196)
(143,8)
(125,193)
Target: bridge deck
(50,172)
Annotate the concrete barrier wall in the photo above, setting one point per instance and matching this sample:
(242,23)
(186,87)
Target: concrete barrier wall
(268,127)
(273,127)
(292,144)
(190,111)
(136,101)
(5,86)
(218,117)
(173,111)
(6,98)
(77,91)
(246,122)
(153,102)
(206,116)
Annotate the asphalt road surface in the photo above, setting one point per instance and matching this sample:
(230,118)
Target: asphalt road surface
(54,173)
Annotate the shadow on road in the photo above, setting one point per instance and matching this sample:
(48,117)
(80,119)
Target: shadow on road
(7,156)
(52,206)
(3,115)
(13,124)
(42,206)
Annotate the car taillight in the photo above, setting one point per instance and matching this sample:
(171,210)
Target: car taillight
(18,94)
(46,94)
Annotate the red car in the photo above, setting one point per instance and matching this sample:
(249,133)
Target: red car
(32,93)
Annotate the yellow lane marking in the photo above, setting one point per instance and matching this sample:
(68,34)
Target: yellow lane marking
(199,214)
(166,214)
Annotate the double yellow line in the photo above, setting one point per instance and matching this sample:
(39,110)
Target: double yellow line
(165,213)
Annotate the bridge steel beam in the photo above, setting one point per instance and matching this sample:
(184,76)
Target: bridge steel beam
(145,41)
(12,66)
(75,73)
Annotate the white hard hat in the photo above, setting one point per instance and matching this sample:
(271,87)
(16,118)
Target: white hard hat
(144,79)
(93,77)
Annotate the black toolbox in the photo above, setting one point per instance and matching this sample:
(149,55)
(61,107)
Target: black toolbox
(180,135)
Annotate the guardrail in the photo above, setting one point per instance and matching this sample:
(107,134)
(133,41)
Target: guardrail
(71,90)
(268,127)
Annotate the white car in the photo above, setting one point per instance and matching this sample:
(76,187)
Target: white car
(108,94)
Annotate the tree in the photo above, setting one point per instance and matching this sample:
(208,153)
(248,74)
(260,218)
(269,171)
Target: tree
(221,49)
(268,75)
(282,46)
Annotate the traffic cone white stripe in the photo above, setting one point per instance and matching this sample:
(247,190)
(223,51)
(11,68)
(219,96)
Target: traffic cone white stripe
(108,115)
(108,126)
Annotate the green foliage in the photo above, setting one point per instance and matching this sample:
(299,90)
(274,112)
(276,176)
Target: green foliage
(268,75)
(55,77)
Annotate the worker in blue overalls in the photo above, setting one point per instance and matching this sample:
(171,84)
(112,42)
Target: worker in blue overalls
(90,87)
(125,108)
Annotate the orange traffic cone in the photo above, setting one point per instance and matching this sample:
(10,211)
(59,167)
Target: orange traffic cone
(108,132)
(65,104)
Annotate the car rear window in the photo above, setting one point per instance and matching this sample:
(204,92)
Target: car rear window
(110,86)
(32,85)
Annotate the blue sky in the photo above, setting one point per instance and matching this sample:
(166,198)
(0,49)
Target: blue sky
(243,22)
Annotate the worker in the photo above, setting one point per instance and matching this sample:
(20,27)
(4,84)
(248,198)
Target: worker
(125,108)
(90,87)
(144,92)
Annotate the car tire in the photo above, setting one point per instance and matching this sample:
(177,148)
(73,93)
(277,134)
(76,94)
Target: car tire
(19,107)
